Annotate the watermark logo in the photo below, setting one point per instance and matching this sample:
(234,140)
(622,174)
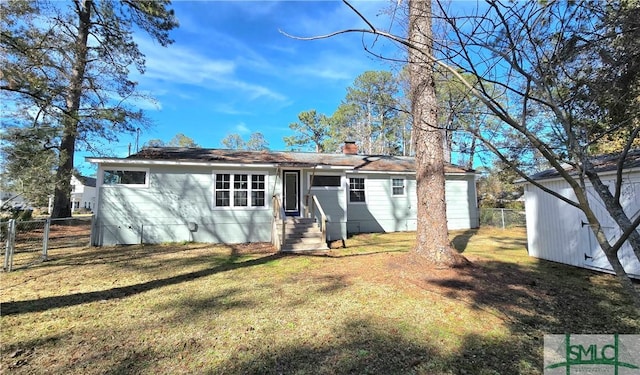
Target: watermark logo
(591,354)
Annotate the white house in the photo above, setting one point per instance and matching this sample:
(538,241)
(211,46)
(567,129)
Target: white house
(559,232)
(83,193)
(225,196)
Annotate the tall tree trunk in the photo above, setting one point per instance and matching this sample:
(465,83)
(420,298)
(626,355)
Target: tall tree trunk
(432,242)
(472,152)
(62,195)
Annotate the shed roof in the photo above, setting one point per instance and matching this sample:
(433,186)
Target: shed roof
(602,163)
(373,163)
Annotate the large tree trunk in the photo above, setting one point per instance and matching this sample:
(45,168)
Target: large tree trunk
(62,194)
(432,242)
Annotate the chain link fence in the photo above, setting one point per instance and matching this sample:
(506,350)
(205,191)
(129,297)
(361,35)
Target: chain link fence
(25,243)
(502,218)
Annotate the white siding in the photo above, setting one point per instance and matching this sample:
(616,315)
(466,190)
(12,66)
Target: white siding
(178,206)
(462,206)
(334,204)
(383,212)
(82,196)
(556,230)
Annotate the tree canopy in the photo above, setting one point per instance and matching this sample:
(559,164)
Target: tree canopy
(256,142)
(66,69)
(561,80)
(178,140)
(313,130)
(369,115)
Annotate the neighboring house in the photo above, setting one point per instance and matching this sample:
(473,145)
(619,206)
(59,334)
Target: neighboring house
(559,232)
(13,200)
(83,193)
(225,196)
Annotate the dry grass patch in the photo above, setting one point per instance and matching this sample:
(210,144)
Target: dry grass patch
(198,308)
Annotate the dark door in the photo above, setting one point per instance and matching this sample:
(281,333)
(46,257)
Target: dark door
(291,193)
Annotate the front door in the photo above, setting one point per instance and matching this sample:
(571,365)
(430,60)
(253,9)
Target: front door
(291,192)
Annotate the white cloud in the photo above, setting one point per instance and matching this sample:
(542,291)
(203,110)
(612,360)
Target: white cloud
(242,128)
(228,109)
(180,65)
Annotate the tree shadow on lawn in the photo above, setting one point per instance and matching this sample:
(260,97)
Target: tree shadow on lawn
(125,254)
(542,298)
(375,346)
(46,303)
(461,240)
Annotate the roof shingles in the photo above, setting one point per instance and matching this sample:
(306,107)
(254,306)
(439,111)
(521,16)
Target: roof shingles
(287,159)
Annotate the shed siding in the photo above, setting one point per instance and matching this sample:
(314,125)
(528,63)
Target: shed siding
(556,230)
(178,206)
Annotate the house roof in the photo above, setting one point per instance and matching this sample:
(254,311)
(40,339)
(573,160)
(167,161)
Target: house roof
(602,163)
(371,163)
(86,181)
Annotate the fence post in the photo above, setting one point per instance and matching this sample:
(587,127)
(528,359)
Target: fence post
(11,244)
(45,239)
(502,213)
(5,266)
(91,234)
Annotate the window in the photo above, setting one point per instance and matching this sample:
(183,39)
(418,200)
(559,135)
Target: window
(223,189)
(326,181)
(240,187)
(240,190)
(257,190)
(356,189)
(397,186)
(115,177)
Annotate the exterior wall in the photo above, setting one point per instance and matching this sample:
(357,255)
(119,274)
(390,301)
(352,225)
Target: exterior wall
(334,204)
(462,202)
(383,212)
(555,230)
(177,205)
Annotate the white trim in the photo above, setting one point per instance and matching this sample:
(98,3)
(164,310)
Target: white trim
(299,194)
(625,171)
(115,161)
(366,195)
(248,207)
(339,187)
(346,169)
(100,177)
(404,186)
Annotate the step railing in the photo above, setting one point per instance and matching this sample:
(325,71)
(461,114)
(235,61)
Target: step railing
(316,212)
(279,217)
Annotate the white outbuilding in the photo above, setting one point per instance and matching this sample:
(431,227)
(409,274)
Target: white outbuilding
(559,232)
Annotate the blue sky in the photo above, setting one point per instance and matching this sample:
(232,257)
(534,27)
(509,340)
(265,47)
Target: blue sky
(230,70)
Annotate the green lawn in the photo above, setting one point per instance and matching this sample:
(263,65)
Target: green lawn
(199,308)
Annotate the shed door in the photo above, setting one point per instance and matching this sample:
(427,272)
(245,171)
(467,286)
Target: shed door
(291,192)
(593,254)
